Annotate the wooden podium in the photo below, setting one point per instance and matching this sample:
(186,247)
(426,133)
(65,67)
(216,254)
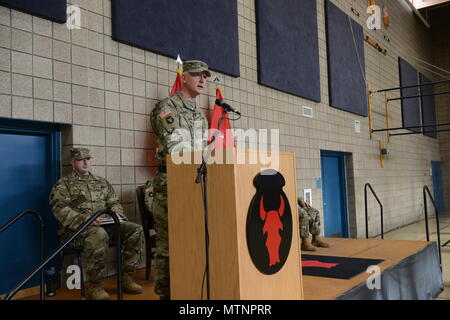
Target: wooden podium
(233,274)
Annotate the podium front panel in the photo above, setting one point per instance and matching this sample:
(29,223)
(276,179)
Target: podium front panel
(233,273)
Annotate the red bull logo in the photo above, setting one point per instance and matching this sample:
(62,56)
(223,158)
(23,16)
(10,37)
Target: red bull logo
(272,227)
(269,223)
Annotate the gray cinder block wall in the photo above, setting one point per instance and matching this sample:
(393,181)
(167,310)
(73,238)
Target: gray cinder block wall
(441,55)
(104,91)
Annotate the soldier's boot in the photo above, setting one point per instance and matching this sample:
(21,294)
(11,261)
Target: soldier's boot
(318,242)
(306,245)
(96,292)
(129,286)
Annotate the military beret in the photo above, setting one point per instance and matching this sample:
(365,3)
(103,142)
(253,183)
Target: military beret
(80,153)
(196,66)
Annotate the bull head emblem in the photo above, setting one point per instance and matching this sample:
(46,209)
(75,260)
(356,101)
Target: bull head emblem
(272,225)
(269,223)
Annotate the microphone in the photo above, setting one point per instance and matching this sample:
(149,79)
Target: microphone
(226,106)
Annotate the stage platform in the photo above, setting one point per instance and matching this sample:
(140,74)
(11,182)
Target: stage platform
(410,271)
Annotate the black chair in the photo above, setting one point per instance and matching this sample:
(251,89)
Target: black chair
(147,225)
(72,251)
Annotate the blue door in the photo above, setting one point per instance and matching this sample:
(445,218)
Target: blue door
(29,167)
(437,185)
(334,194)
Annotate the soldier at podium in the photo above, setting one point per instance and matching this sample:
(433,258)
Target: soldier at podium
(309,220)
(178,112)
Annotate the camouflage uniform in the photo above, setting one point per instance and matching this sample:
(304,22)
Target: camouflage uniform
(172,113)
(309,219)
(75,198)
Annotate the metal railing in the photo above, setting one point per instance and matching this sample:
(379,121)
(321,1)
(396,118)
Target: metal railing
(80,229)
(38,215)
(368,185)
(438,231)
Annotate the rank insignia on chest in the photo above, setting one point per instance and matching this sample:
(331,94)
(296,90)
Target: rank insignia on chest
(165,113)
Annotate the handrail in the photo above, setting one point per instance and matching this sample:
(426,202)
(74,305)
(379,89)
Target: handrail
(80,229)
(38,215)
(425,191)
(381,210)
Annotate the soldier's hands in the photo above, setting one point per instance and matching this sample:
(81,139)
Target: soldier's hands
(97,222)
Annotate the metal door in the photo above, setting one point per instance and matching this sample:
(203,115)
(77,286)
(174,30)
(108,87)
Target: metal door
(334,194)
(29,166)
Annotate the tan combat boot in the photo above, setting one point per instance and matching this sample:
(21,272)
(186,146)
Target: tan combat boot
(318,242)
(96,292)
(306,245)
(129,286)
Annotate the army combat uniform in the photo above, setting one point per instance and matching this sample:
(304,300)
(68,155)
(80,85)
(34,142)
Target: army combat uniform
(74,199)
(170,115)
(309,220)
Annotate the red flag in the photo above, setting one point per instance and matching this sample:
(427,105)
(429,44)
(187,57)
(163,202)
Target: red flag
(225,138)
(178,84)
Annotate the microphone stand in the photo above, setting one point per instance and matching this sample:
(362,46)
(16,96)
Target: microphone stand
(202,177)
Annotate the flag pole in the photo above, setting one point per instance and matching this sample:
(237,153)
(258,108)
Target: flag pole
(179,65)
(178,85)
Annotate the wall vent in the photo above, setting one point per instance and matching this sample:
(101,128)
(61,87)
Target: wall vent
(308,112)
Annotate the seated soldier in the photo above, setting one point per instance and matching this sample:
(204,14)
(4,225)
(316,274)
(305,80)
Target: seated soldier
(74,199)
(309,219)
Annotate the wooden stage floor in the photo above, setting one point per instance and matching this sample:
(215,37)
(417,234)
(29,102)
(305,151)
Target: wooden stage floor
(391,251)
(315,288)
